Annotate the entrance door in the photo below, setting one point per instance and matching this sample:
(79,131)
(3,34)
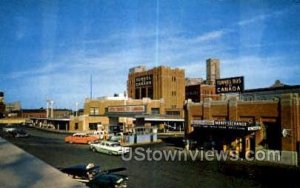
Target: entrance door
(273,136)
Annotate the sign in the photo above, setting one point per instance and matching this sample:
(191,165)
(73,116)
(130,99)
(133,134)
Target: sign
(203,122)
(143,81)
(226,125)
(230,85)
(126,109)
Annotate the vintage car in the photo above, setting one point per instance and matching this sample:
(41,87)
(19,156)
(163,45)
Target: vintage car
(19,133)
(80,138)
(112,148)
(108,180)
(92,176)
(82,172)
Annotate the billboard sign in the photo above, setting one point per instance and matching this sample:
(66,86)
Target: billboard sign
(230,85)
(143,81)
(226,125)
(126,109)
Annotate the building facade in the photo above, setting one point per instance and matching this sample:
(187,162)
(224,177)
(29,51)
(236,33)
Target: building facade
(33,113)
(269,93)
(159,83)
(246,125)
(115,113)
(199,92)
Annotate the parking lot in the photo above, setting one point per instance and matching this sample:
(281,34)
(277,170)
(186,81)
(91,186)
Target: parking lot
(51,148)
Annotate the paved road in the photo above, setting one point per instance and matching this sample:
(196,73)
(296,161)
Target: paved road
(51,148)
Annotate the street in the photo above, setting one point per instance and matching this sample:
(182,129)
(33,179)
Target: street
(51,148)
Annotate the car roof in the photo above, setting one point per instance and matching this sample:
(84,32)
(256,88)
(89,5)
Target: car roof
(79,167)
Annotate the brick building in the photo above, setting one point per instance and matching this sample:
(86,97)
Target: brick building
(159,83)
(199,92)
(249,125)
(33,113)
(272,92)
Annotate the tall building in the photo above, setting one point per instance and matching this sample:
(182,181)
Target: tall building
(159,83)
(212,71)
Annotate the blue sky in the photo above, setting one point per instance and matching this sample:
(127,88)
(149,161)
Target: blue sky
(50,48)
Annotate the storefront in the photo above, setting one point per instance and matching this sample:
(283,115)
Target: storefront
(231,136)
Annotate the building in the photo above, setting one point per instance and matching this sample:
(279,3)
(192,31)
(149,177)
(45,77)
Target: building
(159,83)
(62,113)
(13,107)
(242,126)
(120,113)
(269,93)
(33,113)
(2,105)
(199,92)
(212,71)
(197,89)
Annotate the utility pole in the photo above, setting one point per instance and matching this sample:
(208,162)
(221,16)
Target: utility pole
(91,87)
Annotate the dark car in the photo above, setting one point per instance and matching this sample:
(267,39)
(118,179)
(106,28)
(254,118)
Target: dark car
(19,133)
(94,177)
(108,181)
(82,172)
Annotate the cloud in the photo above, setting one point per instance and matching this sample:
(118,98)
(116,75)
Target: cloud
(66,78)
(259,71)
(213,35)
(262,17)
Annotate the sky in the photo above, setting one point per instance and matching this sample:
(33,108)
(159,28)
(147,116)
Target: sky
(50,48)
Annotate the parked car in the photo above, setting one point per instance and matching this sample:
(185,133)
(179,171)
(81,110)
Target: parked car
(112,148)
(19,133)
(80,138)
(108,181)
(82,172)
(92,176)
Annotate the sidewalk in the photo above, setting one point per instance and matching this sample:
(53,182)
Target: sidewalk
(20,169)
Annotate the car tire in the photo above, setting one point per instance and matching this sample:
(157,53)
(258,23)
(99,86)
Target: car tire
(94,149)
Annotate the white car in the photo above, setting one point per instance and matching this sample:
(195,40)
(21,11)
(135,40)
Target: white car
(112,148)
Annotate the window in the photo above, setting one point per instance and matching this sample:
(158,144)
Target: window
(150,92)
(93,126)
(94,111)
(173,113)
(143,93)
(155,111)
(137,93)
(76,126)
